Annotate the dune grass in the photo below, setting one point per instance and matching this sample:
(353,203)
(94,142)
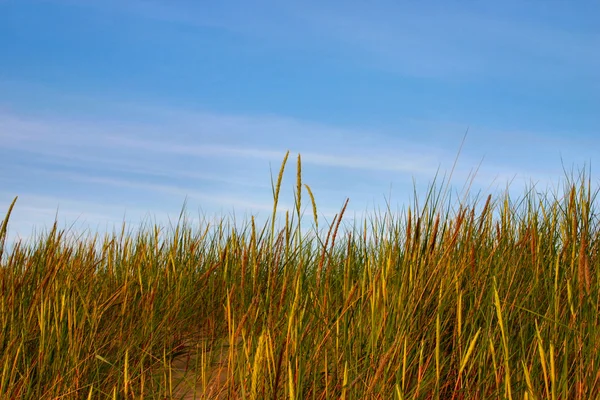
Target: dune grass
(486,298)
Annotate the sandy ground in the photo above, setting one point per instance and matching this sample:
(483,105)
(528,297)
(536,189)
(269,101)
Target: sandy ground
(189,383)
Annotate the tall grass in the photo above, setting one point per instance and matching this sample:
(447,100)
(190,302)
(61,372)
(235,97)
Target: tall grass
(489,299)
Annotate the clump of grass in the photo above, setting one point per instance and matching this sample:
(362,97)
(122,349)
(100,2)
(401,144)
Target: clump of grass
(468,300)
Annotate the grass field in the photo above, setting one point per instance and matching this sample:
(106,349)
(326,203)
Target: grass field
(482,298)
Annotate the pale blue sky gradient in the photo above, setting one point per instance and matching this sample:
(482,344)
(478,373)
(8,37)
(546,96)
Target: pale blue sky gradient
(113,110)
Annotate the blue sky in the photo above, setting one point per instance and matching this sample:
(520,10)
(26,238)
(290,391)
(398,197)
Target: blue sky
(120,110)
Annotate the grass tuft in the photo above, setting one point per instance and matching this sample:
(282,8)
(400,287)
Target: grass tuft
(487,298)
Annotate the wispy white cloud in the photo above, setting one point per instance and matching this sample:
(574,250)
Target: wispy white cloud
(171,190)
(219,163)
(99,170)
(218,136)
(213,141)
